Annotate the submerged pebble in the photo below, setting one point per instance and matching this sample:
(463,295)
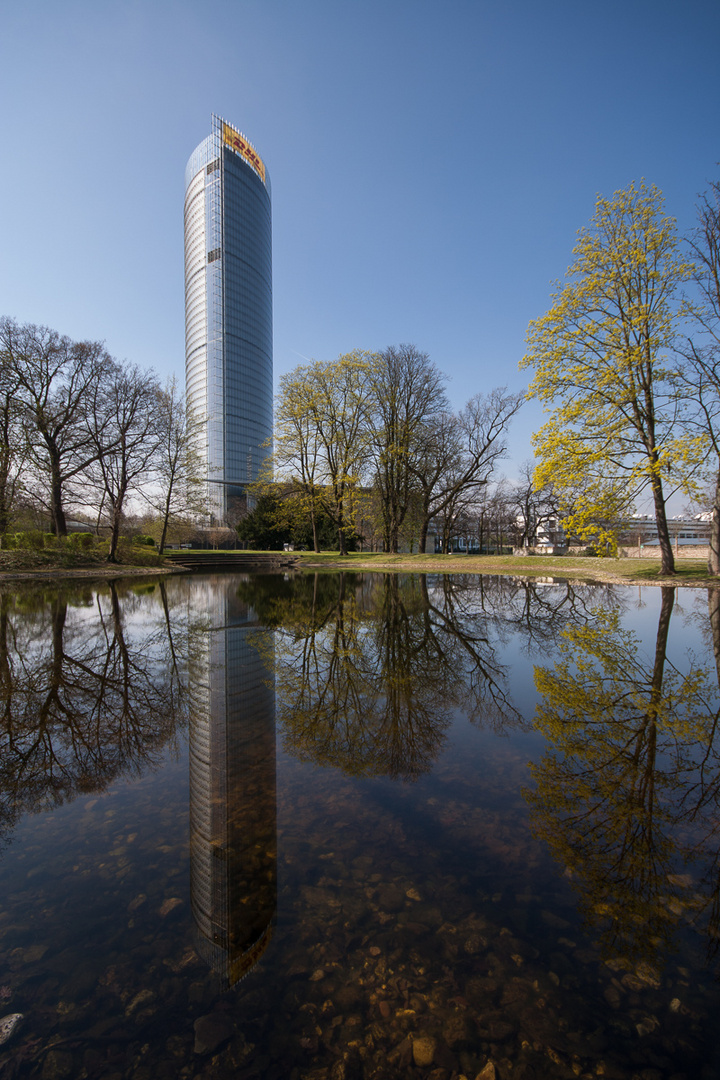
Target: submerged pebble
(9,1025)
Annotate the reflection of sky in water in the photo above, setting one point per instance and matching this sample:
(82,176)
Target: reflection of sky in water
(641,607)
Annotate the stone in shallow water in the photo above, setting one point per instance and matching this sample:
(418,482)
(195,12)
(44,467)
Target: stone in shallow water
(423,1049)
(169,905)
(34,953)
(495,1030)
(487,1073)
(59,1065)
(9,1025)
(140,1001)
(391,898)
(647,1025)
(212,1031)
(456,1030)
(647,974)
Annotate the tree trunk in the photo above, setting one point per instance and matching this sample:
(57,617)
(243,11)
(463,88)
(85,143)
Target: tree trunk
(387,539)
(666,608)
(117,506)
(6,668)
(4,515)
(57,514)
(5,489)
(166,518)
(667,561)
(59,616)
(341,531)
(714,541)
(114,537)
(714,612)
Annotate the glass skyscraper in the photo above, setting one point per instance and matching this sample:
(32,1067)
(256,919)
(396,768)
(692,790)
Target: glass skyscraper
(228,311)
(233,797)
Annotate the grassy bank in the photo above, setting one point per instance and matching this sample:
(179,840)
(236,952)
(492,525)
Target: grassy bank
(137,560)
(64,560)
(641,571)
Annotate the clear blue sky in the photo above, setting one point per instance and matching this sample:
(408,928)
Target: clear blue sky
(431,162)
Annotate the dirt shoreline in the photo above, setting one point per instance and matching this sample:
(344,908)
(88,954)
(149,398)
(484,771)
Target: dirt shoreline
(80,573)
(690,573)
(601,571)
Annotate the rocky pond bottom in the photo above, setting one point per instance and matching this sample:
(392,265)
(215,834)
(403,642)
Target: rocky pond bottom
(313,831)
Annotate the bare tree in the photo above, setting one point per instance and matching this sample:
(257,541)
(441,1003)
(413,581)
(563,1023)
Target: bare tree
(700,373)
(461,453)
(440,449)
(123,428)
(56,379)
(12,442)
(533,506)
(178,490)
(408,394)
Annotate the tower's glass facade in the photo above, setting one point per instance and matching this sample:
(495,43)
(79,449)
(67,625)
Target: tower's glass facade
(228,310)
(233,801)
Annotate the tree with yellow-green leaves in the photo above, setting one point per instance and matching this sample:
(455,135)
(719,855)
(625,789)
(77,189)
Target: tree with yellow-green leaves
(297,452)
(600,361)
(322,439)
(626,793)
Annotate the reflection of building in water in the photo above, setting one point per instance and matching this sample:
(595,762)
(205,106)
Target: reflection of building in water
(233,832)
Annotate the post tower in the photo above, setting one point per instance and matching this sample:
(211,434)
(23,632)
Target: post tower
(228,312)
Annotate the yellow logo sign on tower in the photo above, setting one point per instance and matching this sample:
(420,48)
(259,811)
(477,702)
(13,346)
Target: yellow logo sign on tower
(242,146)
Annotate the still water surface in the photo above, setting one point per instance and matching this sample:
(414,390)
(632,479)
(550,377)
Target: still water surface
(359,826)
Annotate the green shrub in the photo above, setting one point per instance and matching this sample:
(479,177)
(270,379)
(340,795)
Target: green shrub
(33,540)
(136,554)
(80,541)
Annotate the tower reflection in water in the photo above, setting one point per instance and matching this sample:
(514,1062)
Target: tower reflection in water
(233,810)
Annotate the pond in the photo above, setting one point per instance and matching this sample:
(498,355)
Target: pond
(337,827)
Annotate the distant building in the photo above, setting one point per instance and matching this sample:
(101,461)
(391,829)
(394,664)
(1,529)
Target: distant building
(637,530)
(228,311)
(641,529)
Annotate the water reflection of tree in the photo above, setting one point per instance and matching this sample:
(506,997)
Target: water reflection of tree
(91,689)
(537,610)
(370,669)
(628,797)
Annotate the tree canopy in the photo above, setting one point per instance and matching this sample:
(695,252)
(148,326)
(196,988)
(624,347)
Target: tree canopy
(601,361)
(369,441)
(86,434)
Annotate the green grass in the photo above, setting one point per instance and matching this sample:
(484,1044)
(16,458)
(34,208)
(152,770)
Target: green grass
(64,556)
(642,571)
(688,572)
